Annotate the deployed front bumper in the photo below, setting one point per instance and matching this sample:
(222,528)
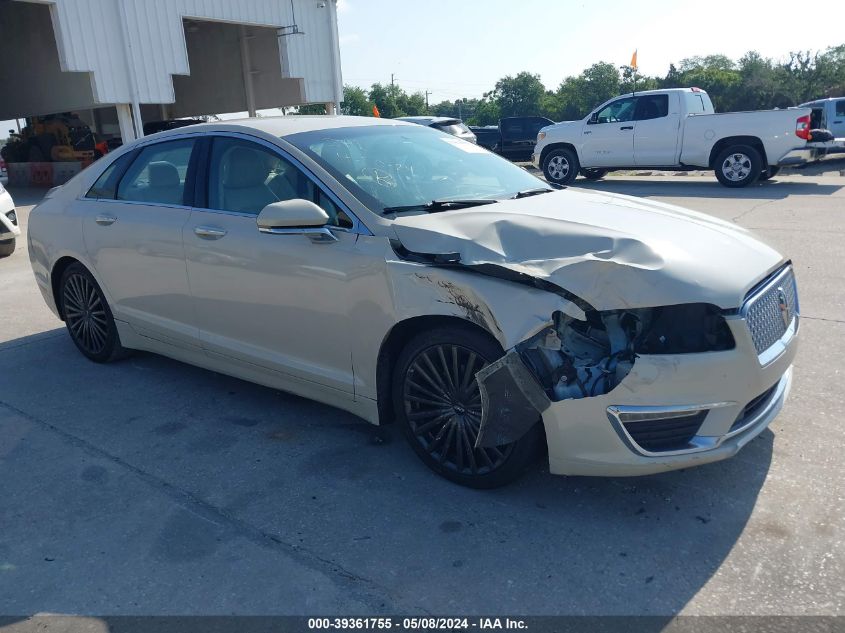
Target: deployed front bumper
(738,398)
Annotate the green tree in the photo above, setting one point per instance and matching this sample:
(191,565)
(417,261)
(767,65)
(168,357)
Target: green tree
(520,95)
(356,102)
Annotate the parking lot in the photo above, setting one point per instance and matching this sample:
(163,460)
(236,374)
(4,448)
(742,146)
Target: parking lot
(152,487)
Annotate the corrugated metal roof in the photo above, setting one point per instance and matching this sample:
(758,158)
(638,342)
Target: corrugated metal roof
(90,37)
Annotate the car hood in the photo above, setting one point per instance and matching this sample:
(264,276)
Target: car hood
(612,251)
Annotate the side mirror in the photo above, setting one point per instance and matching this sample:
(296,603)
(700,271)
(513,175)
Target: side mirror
(289,214)
(296,217)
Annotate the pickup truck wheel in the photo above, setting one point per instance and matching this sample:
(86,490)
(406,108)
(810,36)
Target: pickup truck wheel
(771,172)
(594,174)
(738,166)
(561,166)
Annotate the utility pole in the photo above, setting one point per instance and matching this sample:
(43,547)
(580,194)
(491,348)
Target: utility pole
(391,80)
(426,99)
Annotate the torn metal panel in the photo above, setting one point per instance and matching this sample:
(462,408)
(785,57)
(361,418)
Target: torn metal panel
(612,251)
(509,312)
(511,401)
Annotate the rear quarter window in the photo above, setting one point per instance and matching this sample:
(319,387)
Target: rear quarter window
(840,107)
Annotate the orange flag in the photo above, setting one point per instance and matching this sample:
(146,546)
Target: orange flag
(633,63)
(376,113)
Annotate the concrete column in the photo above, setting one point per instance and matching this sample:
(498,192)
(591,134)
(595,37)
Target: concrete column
(124,120)
(246,69)
(331,108)
(136,117)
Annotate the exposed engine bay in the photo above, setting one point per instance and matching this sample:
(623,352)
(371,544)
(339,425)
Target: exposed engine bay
(583,358)
(579,359)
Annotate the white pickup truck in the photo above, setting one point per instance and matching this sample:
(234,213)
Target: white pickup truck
(674,129)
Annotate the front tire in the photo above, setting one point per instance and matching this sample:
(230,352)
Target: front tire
(7,247)
(594,174)
(738,166)
(88,317)
(438,405)
(561,166)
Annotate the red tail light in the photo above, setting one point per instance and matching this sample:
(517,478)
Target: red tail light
(802,127)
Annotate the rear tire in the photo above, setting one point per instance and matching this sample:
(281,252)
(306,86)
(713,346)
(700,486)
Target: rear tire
(594,174)
(7,247)
(738,166)
(561,166)
(769,173)
(88,317)
(437,404)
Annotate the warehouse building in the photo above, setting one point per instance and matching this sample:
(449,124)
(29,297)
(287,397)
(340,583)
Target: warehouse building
(119,64)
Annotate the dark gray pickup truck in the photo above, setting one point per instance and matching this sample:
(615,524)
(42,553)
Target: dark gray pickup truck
(514,137)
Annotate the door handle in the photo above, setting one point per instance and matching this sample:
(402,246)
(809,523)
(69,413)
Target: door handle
(105,219)
(209,232)
(627,127)
(588,132)
(837,122)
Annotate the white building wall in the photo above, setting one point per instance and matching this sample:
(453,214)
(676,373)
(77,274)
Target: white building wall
(95,35)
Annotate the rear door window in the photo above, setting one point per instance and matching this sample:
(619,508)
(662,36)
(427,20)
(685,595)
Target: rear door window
(158,174)
(106,185)
(652,107)
(840,107)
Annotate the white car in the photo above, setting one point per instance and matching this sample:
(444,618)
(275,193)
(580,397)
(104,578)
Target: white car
(674,129)
(9,229)
(452,126)
(408,276)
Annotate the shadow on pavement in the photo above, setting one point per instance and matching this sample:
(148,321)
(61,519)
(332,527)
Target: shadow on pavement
(331,489)
(770,190)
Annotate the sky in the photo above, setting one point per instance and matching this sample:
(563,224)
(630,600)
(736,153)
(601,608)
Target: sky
(460,48)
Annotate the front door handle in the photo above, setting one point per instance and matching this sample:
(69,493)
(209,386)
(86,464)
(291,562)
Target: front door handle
(105,219)
(627,127)
(209,232)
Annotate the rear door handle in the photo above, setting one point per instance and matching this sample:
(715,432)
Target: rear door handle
(627,127)
(105,219)
(209,232)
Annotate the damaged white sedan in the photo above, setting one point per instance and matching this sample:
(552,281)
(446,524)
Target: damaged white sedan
(408,276)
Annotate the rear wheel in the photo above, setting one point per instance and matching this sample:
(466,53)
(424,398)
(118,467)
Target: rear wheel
(594,174)
(437,402)
(88,317)
(738,166)
(7,247)
(771,172)
(561,166)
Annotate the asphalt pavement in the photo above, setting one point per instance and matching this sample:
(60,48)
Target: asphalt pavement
(151,487)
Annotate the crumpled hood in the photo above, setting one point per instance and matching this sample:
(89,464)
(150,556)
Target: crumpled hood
(611,250)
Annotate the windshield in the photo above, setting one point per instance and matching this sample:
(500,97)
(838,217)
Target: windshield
(406,166)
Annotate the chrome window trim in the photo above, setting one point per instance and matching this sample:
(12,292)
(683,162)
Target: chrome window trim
(357,225)
(142,203)
(777,348)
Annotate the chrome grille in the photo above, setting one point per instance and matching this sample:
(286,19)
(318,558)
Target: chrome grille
(771,310)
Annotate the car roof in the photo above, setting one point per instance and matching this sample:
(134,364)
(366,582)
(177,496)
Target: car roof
(282,126)
(814,101)
(427,120)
